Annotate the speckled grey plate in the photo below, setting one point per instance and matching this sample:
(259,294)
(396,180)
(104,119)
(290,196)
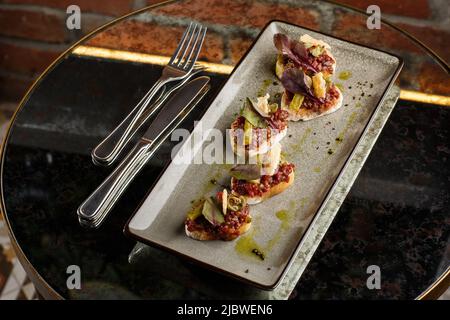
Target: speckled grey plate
(321,149)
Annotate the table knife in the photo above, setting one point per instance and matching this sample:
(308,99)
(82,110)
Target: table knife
(96,207)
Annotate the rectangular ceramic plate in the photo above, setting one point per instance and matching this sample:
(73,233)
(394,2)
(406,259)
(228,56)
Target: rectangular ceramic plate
(319,148)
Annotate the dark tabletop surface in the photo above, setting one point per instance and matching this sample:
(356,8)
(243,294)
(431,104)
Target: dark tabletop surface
(396,215)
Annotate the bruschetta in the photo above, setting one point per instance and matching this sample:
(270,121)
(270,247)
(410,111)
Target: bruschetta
(258,128)
(306,98)
(255,188)
(307,54)
(224,217)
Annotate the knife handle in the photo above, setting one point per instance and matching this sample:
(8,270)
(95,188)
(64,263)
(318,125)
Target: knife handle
(96,207)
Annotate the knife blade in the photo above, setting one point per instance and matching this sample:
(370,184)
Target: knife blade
(175,107)
(108,150)
(96,207)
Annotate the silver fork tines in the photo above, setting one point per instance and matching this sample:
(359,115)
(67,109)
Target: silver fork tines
(179,67)
(190,45)
(180,44)
(196,48)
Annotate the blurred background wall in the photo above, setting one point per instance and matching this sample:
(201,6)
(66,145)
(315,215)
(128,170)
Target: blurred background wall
(33,32)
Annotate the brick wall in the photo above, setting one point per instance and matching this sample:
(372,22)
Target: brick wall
(33,32)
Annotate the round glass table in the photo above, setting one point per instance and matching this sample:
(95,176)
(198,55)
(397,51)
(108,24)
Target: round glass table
(396,215)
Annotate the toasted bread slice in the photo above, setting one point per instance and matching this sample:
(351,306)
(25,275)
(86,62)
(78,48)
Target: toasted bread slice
(214,226)
(274,190)
(305,114)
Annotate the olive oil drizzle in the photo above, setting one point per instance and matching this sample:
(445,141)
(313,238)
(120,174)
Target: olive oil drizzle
(246,245)
(349,123)
(263,89)
(298,147)
(340,86)
(216,173)
(345,75)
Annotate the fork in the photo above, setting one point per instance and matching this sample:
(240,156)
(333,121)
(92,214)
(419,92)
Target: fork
(107,151)
(179,67)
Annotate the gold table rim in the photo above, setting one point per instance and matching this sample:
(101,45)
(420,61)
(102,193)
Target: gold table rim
(139,57)
(31,271)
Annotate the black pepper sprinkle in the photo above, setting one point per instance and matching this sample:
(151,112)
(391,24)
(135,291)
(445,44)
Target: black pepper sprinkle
(258,253)
(371,85)
(369,95)
(350,87)
(330,151)
(213,181)
(290,136)
(353,98)
(328,142)
(333,129)
(246,271)
(362,94)
(346,105)
(314,133)
(275,83)
(339,139)
(268,268)
(317,148)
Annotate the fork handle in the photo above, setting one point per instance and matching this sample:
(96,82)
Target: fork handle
(109,148)
(99,203)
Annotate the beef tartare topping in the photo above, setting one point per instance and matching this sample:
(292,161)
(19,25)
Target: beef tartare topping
(323,63)
(228,230)
(278,119)
(236,215)
(319,105)
(266,182)
(276,123)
